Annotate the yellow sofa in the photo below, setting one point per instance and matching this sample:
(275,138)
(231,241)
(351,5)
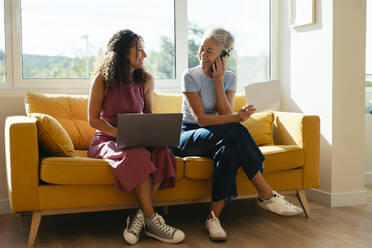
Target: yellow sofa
(48,185)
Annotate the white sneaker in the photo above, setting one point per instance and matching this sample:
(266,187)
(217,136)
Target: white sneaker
(278,205)
(132,232)
(215,229)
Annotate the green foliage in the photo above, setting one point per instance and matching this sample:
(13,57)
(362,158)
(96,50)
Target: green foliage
(161,64)
(2,72)
(2,66)
(194,40)
(368,83)
(41,66)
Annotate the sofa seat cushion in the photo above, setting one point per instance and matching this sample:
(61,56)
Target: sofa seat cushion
(278,158)
(83,170)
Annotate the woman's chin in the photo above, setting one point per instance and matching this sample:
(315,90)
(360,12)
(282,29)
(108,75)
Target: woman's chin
(205,67)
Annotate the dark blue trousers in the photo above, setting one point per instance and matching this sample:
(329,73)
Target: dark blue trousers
(230,146)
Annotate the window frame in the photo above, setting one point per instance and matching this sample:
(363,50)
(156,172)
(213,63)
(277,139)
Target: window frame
(367,89)
(13,51)
(8,47)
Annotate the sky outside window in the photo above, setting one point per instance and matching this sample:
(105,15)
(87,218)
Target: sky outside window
(78,31)
(2,43)
(248,21)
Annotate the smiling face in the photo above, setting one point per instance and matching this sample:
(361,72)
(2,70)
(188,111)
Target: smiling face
(136,55)
(209,50)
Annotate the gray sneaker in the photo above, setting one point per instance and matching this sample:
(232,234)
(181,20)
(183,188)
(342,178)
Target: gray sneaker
(156,227)
(132,232)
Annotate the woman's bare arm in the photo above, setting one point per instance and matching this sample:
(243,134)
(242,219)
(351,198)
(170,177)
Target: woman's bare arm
(96,96)
(224,99)
(197,110)
(148,89)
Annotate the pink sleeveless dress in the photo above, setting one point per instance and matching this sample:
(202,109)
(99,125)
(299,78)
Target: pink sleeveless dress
(131,165)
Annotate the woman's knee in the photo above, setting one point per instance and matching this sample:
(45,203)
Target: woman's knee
(239,131)
(226,158)
(239,127)
(159,150)
(137,152)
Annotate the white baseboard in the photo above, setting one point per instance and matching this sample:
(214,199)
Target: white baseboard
(4,206)
(367,178)
(339,199)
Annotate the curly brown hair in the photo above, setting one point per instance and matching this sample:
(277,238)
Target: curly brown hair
(114,65)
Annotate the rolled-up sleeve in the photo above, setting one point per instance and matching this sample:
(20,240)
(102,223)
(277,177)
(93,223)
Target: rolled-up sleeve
(188,83)
(231,82)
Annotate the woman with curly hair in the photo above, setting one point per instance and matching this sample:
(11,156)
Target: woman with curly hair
(121,85)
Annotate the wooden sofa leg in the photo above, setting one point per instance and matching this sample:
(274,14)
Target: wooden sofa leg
(165,210)
(35,222)
(302,199)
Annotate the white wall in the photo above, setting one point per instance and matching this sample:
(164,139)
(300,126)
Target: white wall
(322,72)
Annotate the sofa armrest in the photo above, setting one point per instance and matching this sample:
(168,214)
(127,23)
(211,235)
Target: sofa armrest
(22,163)
(303,130)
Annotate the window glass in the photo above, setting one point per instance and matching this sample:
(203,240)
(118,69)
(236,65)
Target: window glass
(248,21)
(64,38)
(2,43)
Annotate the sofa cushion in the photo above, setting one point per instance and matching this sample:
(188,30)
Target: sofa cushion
(239,101)
(260,126)
(52,137)
(69,110)
(83,170)
(277,158)
(166,103)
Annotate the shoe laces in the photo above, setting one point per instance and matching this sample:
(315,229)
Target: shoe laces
(283,201)
(160,223)
(216,221)
(136,225)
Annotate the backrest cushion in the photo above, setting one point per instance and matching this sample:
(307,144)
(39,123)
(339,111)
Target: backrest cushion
(260,126)
(53,138)
(239,101)
(166,103)
(69,110)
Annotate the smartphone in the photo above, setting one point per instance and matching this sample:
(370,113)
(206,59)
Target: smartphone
(222,55)
(250,109)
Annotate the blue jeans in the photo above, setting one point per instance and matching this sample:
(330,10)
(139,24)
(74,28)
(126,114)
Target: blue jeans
(230,146)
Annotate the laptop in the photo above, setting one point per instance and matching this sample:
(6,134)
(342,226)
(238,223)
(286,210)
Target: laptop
(264,96)
(148,130)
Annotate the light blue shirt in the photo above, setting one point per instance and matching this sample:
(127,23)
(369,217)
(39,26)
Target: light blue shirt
(195,80)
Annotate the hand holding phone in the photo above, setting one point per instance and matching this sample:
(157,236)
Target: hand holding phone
(223,54)
(245,112)
(249,108)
